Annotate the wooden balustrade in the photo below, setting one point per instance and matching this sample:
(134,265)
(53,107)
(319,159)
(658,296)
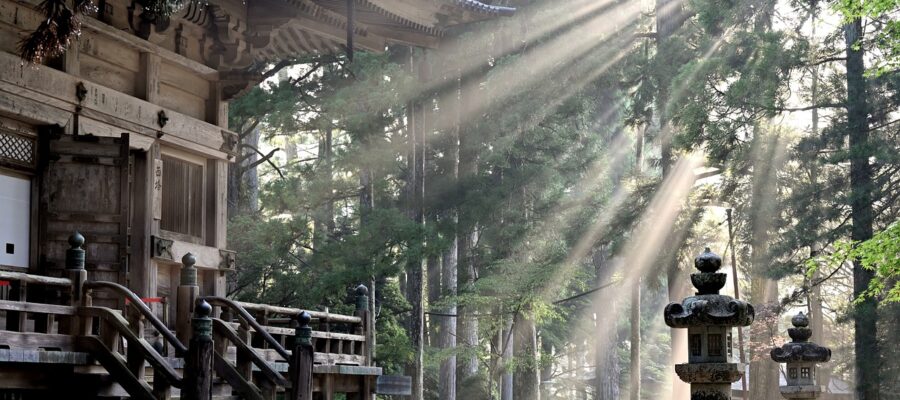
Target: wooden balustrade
(267,358)
(143,312)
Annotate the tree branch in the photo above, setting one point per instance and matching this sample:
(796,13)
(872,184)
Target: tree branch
(264,158)
(825,61)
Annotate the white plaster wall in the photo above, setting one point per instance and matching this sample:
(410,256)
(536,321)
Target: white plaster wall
(15,208)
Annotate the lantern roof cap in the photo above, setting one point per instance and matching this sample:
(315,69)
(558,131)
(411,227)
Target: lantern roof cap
(800,349)
(708,307)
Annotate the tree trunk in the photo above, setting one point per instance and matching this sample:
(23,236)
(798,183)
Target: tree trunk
(865,316)
(606,360)
(635,385)
(767,159)
(324,215)
(243,182)
(447,326)
(668,20)
(450,107)
(525,378)
(467,237)
(415,290)
(506,377)
(546,371)
(764,372)
(329,180)
(433,266)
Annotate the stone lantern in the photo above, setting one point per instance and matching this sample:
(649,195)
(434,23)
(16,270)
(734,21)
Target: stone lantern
(801,357)
(709,317)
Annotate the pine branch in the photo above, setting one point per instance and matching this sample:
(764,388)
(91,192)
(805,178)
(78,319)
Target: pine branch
(267,158)
(59,27)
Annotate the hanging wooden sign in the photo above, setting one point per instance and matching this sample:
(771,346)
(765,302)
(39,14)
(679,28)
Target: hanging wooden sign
(157,188)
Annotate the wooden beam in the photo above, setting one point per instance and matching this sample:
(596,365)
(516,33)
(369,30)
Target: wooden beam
(35,109)
(294,311)
(108,31)
(71,61)
(33,341)
(35,279)
(406,37)
(109,106)
(422,13)
(275,15)
(207,257)
(148,79)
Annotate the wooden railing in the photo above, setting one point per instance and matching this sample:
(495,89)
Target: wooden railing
(269,380)
(267,359)
(43,318)
(247,321)
(338,339)
(143,311)
(138,353)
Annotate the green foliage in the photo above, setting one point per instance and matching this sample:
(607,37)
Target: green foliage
(881,254)
(886,13)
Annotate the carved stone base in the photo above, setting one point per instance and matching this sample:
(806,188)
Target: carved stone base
(710,392)
(801,391)
(714,373)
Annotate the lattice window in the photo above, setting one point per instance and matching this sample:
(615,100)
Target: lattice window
(715,345)
(696,341)
(182,197)
(17,149)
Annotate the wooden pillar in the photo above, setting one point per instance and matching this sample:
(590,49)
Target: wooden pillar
(135,359)
(198,364)
(142,272)
(148,80)
(188,292)
(15,320)
(366,328)
(71,62)
(217,219)
(301,365)
(243,362)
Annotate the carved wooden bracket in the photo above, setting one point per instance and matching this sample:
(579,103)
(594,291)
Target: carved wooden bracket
(228,260)
(161,248)
(229,142)
(230,50)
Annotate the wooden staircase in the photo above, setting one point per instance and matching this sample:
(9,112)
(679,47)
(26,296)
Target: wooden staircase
(82,351)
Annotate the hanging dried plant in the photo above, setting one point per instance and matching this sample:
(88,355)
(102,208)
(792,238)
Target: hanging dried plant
(162,8)
(60,26)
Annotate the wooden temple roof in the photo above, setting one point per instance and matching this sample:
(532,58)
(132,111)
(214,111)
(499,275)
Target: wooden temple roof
(280,29)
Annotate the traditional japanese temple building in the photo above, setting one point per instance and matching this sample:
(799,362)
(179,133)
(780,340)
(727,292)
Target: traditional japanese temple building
(124,138)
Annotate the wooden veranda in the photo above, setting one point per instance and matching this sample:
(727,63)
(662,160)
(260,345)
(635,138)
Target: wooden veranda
(72,348)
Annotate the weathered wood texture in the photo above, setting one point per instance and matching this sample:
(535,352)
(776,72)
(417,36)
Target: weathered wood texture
(198,368)
(49,96)
(84,187)
(301,372)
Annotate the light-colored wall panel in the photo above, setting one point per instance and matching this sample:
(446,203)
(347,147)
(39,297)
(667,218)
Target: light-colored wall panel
(175,99)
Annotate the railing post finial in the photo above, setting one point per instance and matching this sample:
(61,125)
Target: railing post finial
(75,254)
(362,298)
(201,322)
(188,273)
(303,333)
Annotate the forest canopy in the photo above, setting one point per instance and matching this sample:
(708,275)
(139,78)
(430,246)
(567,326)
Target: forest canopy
(524,199)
